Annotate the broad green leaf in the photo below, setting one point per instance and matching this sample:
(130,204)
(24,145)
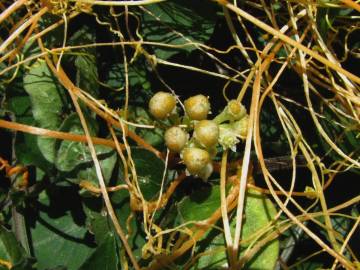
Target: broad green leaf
(19,105)
(11,250)
(97,218)
(258,214)
(107,158)
(84,36)
(26,145)
(178,22)
(155,136)
(70,153)
(200,205)
(58,237)
(58,268)
(74,158)
(27,149)
(137,76)
(47,105)
(309,265)
(87,73)
(150,170)
(104,257)
(85,61)
(43,90)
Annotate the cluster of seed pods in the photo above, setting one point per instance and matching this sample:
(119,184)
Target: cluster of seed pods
(197,138)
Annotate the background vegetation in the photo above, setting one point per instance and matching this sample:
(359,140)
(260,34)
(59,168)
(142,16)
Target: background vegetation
(86,180)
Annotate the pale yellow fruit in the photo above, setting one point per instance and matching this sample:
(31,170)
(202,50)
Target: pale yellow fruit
(197,107)
(206,133)
(176,139)
(162,104)
(196,159)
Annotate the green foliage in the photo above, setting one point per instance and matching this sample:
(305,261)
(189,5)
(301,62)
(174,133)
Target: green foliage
(104,257)
(58,234)
(259,212)
(149,179)
(177,23)
(67,224)
(74,159)
(12,251)
(87,74)
(46,103)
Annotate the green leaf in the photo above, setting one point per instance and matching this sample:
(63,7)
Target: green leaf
(59,238)
(258,214)
(150,170)
(200,205)
(309,265)
(44,94)
(47,105)
(87,77)
(136,73)
(87,74)
(19,105)
(11,250)
(57,268)
(74,158)
(84,36)
(27,149)
(164,22)
(104,257)
(97,218)
(154,136)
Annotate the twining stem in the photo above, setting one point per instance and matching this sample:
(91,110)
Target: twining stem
(311,165)
(19,30)
(97,166)
(11,9)
(54,134)
(224,211)
(94,189)
(118,3)
(288,40)
(105,195)
(18,219)
(199,230)
(348,237)
(351,4)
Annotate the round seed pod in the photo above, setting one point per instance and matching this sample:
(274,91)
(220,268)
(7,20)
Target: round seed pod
(195,159)
(233,111)
(197,107)
(206,133)
(236,110)
(162,104)
(175,139)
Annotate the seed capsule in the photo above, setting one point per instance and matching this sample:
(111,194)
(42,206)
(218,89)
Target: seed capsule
(175,139)
(196,159)
(162,104)
(197,107)
(236,110)
(233,111)
(207,133)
